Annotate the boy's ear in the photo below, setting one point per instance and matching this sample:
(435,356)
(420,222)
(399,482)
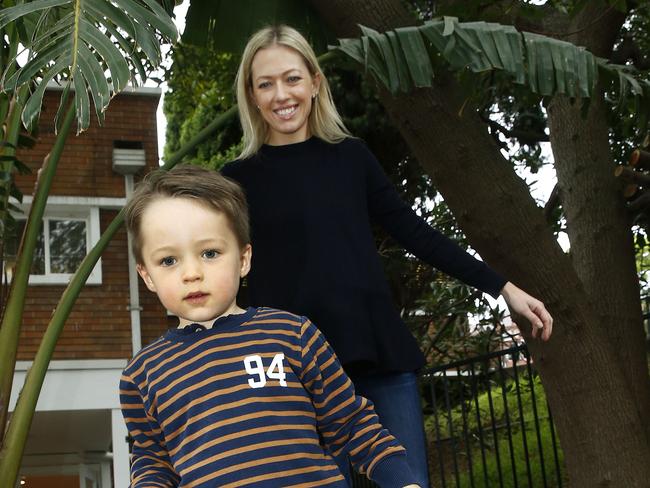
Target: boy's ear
(142,271)
(246,254)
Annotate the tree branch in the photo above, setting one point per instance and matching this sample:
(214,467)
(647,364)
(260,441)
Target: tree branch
(552,203)
(527,137)
(628,175)
(523,17)
(640,159)
(642,202)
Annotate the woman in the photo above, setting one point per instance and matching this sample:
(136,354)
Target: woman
(313,192)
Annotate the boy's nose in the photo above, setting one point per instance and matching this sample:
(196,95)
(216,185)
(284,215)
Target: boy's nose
(192,272)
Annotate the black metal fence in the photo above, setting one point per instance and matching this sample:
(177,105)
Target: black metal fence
(489,425)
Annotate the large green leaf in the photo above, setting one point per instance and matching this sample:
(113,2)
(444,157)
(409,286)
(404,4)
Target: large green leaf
(95,46)
(547,66)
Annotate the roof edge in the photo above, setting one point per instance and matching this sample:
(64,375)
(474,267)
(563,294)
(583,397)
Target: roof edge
(150,91)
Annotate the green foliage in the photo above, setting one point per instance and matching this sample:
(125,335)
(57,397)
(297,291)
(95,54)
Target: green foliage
(405,58)
(518,124)
(455,322)
(626,133)
(642,248)
(520,457)
(497,406)
(225,26)
(200,87)
(76,44)
(504,402)
(9,165)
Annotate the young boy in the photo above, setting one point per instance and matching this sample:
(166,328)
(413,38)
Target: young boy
(233,397)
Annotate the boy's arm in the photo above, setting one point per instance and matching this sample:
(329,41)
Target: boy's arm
(347,422)
(150,463)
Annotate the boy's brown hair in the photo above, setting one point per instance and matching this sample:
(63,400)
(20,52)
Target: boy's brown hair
(187,181)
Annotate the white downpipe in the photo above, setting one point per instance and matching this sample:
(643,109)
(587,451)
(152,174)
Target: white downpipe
(134,293)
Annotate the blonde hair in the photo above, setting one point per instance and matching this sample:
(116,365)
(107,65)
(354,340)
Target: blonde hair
(324,120)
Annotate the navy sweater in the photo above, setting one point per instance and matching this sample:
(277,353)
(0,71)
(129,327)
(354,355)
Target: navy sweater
(254,401)
(312,205)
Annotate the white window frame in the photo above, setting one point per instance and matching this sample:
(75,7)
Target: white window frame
(71,208)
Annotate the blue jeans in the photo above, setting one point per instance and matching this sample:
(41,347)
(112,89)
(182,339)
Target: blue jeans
(397,403)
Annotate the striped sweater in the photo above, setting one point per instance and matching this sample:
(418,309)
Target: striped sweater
(260,400)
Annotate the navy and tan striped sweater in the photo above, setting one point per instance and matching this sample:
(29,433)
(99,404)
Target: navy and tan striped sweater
(257,400)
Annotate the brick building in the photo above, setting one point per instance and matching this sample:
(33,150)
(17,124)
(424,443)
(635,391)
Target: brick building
(78,438)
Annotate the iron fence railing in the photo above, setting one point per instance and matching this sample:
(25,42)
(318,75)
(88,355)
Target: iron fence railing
(488,425)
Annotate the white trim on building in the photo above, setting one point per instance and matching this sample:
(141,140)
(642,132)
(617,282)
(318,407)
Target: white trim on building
(76,392)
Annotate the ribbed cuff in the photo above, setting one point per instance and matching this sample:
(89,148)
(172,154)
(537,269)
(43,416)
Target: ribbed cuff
(392,472)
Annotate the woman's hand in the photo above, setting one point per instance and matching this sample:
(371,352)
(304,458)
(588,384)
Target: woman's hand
(522,303)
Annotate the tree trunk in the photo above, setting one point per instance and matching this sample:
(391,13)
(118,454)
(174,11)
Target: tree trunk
(599,423)
(602,248)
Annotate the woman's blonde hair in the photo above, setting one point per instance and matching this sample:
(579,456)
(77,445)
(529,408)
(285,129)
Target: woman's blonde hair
(324,120)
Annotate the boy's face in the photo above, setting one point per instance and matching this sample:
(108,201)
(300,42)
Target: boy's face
(191,259)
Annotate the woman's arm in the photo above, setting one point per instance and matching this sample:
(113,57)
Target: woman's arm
(386,208)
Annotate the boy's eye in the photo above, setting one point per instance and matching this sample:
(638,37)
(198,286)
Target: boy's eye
(168,261)
(210,253)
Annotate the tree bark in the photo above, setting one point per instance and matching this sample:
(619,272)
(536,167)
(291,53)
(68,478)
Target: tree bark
(599,229)
(599,424)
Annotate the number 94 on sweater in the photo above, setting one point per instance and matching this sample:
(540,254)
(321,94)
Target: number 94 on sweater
(255,368)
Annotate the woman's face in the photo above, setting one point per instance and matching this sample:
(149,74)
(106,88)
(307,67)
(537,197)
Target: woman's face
(283,90)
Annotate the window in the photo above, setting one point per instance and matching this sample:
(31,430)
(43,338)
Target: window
(66,236)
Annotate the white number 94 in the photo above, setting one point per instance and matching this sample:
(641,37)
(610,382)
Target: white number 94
(255,367)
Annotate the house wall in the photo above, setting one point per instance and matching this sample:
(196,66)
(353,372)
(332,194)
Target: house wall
(85,168)
(99,326)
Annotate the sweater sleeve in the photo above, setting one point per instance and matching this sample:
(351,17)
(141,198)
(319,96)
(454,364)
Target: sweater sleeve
(151,466)
(347,422)
(386,207)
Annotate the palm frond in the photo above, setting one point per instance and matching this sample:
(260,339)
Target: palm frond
(406,58)
(95,46)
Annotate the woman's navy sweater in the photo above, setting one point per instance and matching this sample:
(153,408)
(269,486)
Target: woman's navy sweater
(312,206)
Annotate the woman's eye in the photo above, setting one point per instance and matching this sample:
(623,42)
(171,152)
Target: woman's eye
(210,254)
(293,79)
(264,84)
(168,261)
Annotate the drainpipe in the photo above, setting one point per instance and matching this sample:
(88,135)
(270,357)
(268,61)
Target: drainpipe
(134,292)
(128,161)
